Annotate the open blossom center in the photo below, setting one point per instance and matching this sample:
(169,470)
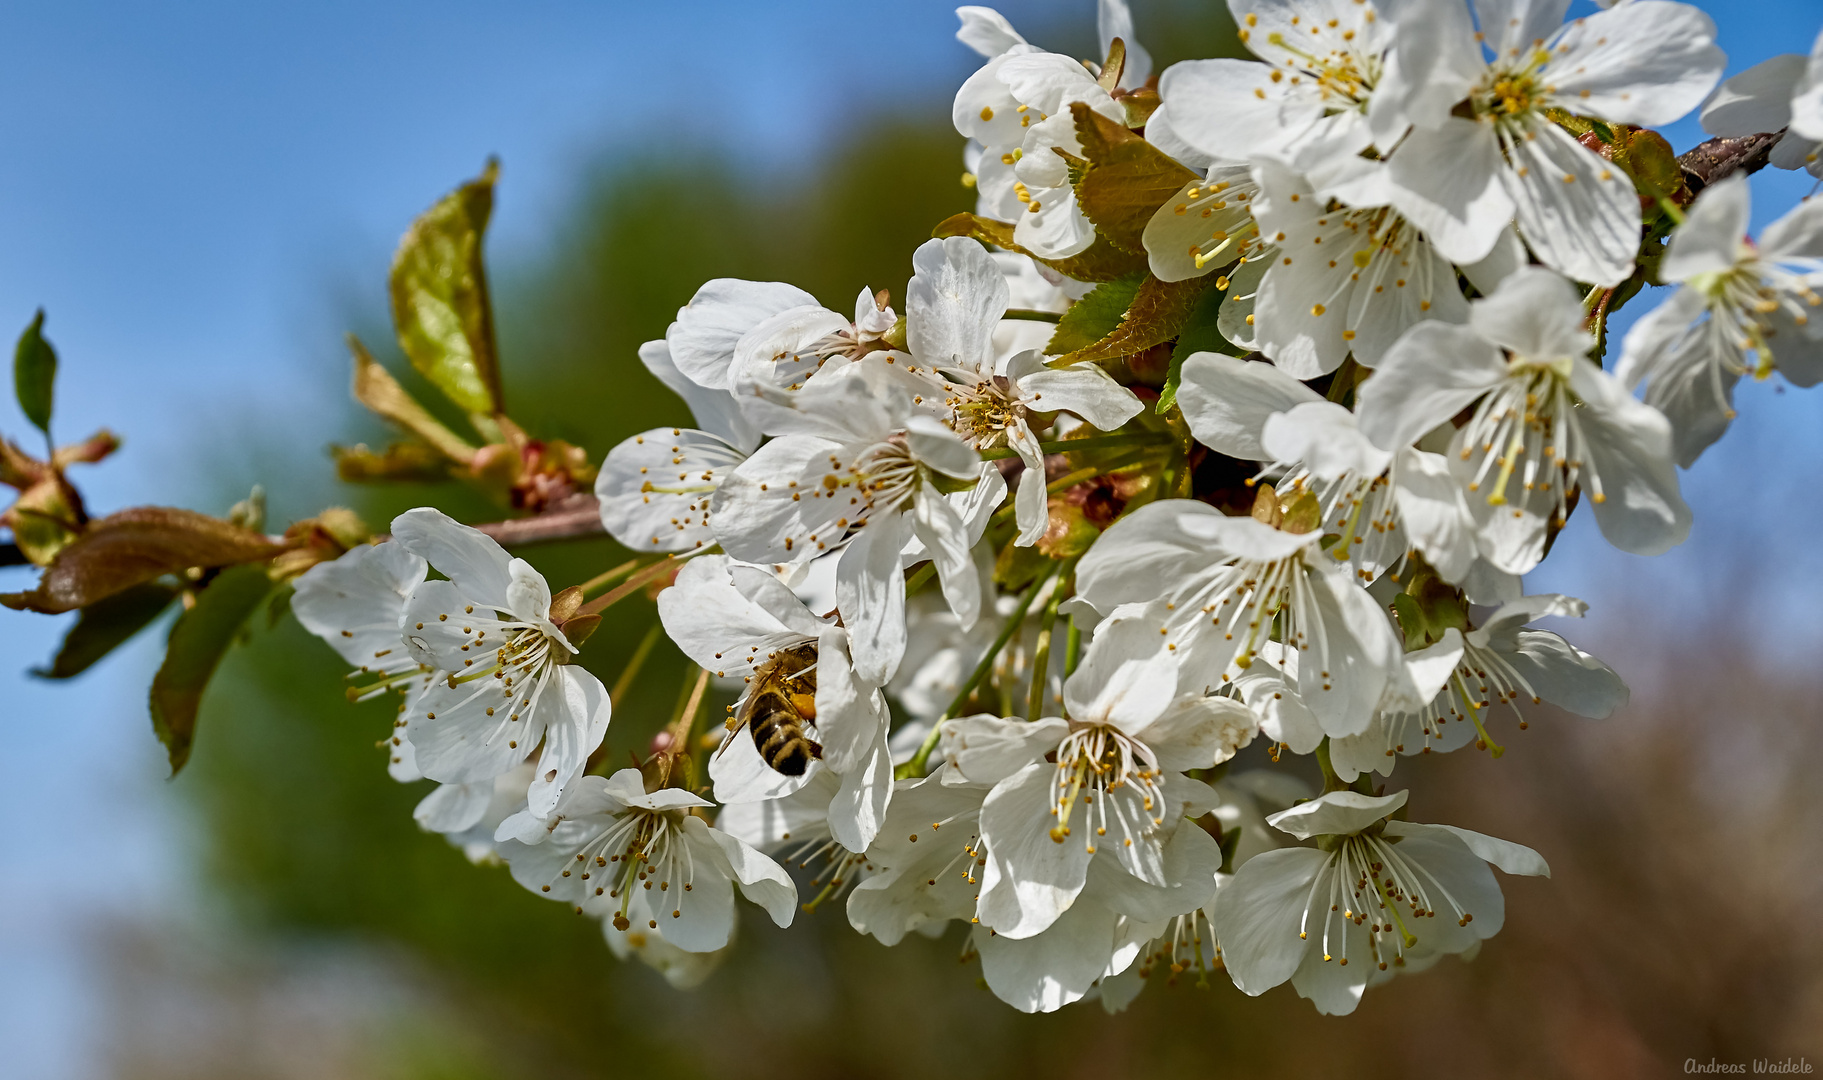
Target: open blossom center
(985,413)
(642,849)
(1094,761)
(1360,509)
(1377,245)
(1250,598)
(884,474)
(1335,70)
(1233,234)
(1511,93)
(1367,882)
(1528,428)
(512,670)
(1741,302)
(1482,680)
(1187,945)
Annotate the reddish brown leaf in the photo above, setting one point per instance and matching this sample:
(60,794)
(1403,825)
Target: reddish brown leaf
(135,546)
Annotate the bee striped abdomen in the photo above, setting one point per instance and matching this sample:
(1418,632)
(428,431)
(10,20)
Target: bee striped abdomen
(780,708)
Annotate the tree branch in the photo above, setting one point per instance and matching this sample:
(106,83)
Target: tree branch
(578,515)
(1719,157)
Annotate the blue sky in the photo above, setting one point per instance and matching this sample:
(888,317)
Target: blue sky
(197,192)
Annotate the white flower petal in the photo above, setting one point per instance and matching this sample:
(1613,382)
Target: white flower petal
(870,594)
(466,556)
(1434,372)
(1226,401)
(1647,63)
(954,302)
(716,411)
(1579,213)
(1030,879)
(1335,813)
(1256,917)
(1446,181)
(702,339)
(1756,100)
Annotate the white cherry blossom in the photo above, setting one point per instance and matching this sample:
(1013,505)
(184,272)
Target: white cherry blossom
(1463,180)
(654,488)
(954,304)
(505,686)
(927,861)
(1464,676)
(739,621)
(1377,503)
(644,860)
(1208,224)
(855,468)
(1229,584)
(355,604)
(1344,279)
(1309,98)
(1103,931)
(1544,423)
(1740,307)
(1378,894)
(1784,93)
(1017,106)
(1106,779)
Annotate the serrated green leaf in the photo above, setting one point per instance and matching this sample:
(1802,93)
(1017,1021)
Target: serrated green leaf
(1095,316)
(106,625)
(1200,333)
(440,304)
(1128,178)
(1102,261)
(35,374)
(199,640)
(1158,312)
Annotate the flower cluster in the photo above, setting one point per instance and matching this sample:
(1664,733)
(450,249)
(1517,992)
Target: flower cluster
(1233,417)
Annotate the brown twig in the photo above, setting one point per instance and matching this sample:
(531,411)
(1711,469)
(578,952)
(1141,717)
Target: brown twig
(1720,157)
(578,515)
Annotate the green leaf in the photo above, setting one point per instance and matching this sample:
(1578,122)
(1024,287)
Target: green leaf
(1158,312)
(1095,316)
(1128,178)
(134,546)
(410,463)
(44,519)
(199,639)
(106,625)
(1199,334)
(1102,261)
(375,388)
(34,374)
(440,305)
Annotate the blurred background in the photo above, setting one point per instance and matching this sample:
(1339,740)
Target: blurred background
(205,197)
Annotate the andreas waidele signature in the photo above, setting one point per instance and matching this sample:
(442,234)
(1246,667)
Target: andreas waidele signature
(1761,1066)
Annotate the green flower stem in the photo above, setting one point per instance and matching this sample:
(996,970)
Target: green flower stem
(1041,656)
(638,581)
(1058,446)
(920,762)
(1031,315)
(634,663)
(1072,646)
(609,577)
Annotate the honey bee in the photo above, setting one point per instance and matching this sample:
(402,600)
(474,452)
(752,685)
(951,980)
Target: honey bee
(779,706)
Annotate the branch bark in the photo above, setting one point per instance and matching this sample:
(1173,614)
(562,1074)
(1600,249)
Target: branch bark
(576,516)
(1720,157)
